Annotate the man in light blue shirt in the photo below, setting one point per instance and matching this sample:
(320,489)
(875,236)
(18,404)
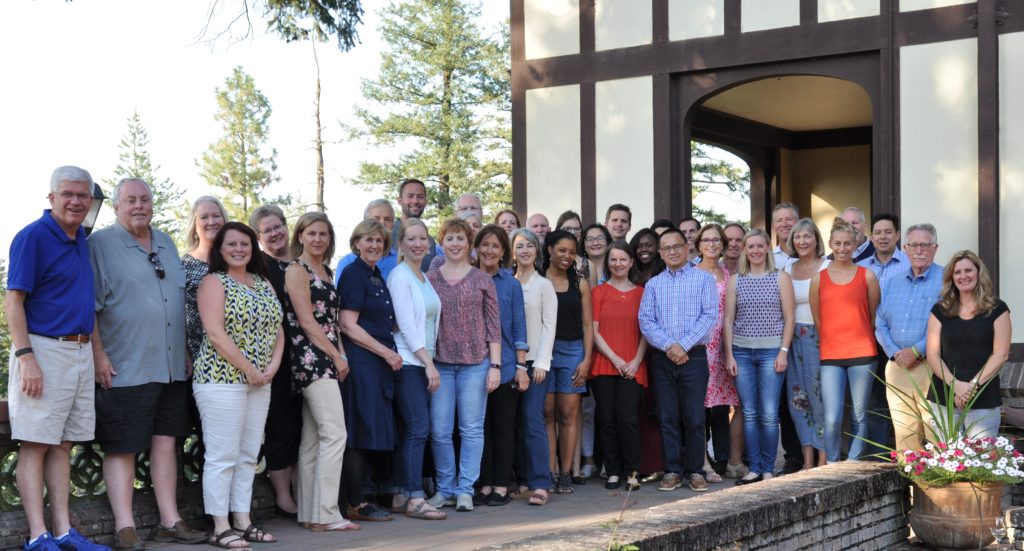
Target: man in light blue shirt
(887,259)
(901,324)
(381,211)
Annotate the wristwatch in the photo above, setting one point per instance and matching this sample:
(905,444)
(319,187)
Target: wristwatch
(496,366)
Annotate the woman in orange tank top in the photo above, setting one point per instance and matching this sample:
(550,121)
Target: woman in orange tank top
(843,299)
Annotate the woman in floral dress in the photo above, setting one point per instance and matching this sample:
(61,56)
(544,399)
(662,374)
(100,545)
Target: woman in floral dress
(721,394)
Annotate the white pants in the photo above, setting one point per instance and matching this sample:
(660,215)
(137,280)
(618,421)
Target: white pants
(321,452)
(233,417)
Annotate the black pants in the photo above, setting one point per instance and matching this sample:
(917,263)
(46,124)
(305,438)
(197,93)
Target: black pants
(499,437)
(618,422)
(718,430)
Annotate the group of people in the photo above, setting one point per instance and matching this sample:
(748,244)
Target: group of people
(544,353)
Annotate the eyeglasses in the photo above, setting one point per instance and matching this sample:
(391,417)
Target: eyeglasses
(710,240)
(67,196)
(594,240)
(571,229)
(673,248)
(919,246)
(155,261)
(272,229)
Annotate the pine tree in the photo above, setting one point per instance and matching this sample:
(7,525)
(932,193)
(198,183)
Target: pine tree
(444,99)
(135,162)
(236,162)
(718,176)
(5,333)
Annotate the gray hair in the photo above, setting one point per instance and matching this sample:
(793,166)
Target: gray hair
(527,234)
(856,211)
(466,215)
(377,203)
(926,227)
(471,194)
(191,234)
(117,189)
(69,174)
(786,205)
(264,211)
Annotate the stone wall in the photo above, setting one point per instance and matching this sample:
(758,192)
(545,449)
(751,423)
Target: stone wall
(851,505)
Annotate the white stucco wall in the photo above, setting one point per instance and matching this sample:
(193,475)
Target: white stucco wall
(695,18)
(625,146)
(911,5)
(552,150)
(621,23)
(835,10)
(1011,176)
(551,28)
(758,15)
(939,141)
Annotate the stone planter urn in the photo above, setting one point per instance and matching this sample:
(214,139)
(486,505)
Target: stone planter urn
(957,516)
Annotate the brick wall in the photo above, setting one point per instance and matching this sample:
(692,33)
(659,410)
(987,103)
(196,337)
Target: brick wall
(852,505)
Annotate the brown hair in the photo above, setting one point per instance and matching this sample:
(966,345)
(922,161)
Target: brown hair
(707,228)
(502,237)
(949,298)
(455,225)
(305,221)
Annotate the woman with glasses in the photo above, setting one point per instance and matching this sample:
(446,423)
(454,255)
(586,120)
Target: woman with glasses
(843,300)
(238,357)
(756,335)
(206,219)
(596,240)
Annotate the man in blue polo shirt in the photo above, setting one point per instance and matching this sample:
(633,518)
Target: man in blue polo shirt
(50,316)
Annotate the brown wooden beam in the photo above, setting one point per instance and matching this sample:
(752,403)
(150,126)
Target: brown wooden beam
(659,20)
(732,12)
(663,130)
(588,153)
(808,12)
(988,139)
(586,26)
(516,22)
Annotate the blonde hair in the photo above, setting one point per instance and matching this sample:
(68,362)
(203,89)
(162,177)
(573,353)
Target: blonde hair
(807,225)
(305,221)
(839,225)
(949,298)
(769,258)
(192,234)
(403,228)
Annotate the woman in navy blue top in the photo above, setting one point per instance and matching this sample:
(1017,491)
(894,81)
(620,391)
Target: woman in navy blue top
(367,322)
(492,255)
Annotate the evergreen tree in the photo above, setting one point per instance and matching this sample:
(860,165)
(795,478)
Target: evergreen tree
(236,162)
(444,99)
(135,162)
(292,20)
(717,176)
(5,333)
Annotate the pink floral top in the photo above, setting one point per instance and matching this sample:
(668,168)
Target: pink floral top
(721,390)
(469,317)
(308,362)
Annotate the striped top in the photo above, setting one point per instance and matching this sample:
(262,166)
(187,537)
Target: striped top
(759,322)
(252,317)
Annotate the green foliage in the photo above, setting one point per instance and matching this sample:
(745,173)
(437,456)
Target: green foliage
(236,162)
(317,19)
(718,176)
(5,333)
(135,162)
(442,104)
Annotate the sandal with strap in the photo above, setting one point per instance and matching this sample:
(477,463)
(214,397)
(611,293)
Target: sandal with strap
(367,512)
(565,484)
(255,534)
(425,511)
(228,540)
(539,498)
(711,476)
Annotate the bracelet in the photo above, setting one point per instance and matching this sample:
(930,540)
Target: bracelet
(22,351)
(521,367)
(496,366)
(343,357)
(784,349)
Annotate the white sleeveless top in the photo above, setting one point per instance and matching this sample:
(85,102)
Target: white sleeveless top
(801,291)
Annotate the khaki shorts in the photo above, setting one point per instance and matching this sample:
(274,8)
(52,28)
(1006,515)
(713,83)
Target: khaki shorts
(65,411)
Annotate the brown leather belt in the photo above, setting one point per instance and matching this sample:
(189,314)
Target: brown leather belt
(80,339)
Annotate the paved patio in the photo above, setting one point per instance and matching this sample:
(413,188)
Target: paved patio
(482,528)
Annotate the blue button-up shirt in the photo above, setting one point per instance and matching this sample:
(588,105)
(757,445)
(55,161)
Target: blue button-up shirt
(512,311)
(902,317)
(679,306)
(897,264)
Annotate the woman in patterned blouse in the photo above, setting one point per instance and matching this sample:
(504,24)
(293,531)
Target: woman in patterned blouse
(318,362)
(239,355)
(207,218)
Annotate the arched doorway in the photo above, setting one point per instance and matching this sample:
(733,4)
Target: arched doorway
(806,138)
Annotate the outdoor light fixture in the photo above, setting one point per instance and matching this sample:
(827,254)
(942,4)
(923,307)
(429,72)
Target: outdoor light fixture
(94,210)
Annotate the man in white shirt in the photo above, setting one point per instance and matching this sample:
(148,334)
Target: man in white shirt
(784,217)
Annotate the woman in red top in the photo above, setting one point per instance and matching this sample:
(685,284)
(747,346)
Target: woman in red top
(843,300)
(619,374)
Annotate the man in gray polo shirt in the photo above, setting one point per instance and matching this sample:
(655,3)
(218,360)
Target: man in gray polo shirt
(139,349)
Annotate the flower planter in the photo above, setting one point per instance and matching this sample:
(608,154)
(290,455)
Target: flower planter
(957,516)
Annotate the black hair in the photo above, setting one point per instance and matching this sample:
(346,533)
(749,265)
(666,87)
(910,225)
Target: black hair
(886,216)
(407,181)
(552,239)
(604,231)
(662,223)
(255,265)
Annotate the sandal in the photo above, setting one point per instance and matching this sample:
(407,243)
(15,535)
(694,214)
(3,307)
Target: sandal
(565,484)
(425,511)
(711,476)
(539,498)
(339,526)
(368,513)
(228,539)
(255,534)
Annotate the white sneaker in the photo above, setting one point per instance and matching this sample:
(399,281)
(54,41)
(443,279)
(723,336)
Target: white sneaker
(464,503)
(438,501)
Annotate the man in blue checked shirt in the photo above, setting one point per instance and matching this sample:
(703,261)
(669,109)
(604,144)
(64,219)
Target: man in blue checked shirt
(901,324)
(678,310)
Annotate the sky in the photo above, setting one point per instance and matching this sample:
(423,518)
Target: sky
(73,73)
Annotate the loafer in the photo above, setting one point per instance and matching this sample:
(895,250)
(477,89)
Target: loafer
(281,513)
(181,532)
(670,482)
(749,480)
(633,484)
(497,500)
(127,540)
(697,483)
(612,483)
(480,498)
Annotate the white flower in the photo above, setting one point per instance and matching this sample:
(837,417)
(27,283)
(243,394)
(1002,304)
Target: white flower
(959,444)
(1002,463)
(969,452)
(988,466)
(1001,442)
(906,469)
(1008,447)
(933,462)
(998,472)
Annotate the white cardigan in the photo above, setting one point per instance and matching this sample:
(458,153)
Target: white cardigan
(541,316)
(410,313)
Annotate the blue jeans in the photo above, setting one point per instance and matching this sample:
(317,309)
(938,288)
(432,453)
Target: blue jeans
(760,388)
(679,392)
(803,387)
(463,389)
(833,396)
(532,467)
(413,402)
